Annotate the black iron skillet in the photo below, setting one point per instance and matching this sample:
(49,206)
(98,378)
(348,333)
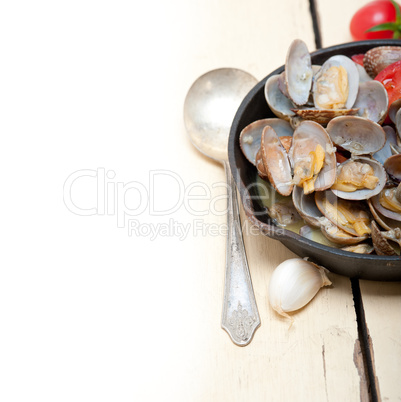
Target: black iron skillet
(254,107)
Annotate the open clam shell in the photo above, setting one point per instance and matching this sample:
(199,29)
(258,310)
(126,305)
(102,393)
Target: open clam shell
(392,215)
(282,84)
(305,139)
(363,75)
(323,116)
(260,167)
(331,207)
(381,240)
(284,212)
(251,135)
(384,221)
(325,89)
(316,235)
(361,248)
(278,103)
(298,72)
(393,167)
(372,101)
(357,135)
(398,123)
(394,114)
(387,150)
(306,206)
(378,58)
(338,236)
(393,109)
(275,161)
(364,193)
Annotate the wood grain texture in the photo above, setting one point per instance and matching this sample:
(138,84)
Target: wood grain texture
(97,308)
(381,301)
(310,359)
(334,20)
(382,306)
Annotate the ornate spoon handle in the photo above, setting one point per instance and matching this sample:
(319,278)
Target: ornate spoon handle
(240,316)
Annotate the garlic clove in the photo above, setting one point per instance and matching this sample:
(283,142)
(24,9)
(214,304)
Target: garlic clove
(294,283)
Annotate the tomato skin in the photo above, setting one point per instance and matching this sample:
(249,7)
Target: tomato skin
(374,13)
(358,58)
(390,77)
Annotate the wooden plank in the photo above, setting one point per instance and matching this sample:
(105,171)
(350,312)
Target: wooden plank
(308,361)
(382,306)
(381,301)
(92,310)
(334,19)
(233,34)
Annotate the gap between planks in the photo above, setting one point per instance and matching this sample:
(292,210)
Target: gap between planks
(365,343)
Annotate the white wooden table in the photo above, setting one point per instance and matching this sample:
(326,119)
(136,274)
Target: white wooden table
(111,271)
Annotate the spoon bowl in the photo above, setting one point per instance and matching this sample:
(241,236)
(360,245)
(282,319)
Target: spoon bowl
(210,107)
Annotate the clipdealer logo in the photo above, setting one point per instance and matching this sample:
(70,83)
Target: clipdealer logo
(130,201)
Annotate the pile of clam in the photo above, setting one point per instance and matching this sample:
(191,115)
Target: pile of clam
(328,153)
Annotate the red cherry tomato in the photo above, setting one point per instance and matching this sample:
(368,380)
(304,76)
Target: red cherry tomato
(374,13)
(390,77)
(358,58)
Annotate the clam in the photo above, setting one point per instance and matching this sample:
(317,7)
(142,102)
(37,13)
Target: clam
(282,84)
(323,116)
(379,58)
(372,101)
(359,179)
(315,235)
(388,203)
(393,167)
(361,248)
(251,135)
(391,142)
(398,123)
(357,135)
(260,167)
(298,72)
(315,69)
(381,239)
(311,154)
(395,116)
(394,113)
(363,75)
(350,216)
(284,213)
(341,241)
(276,162)
(278,103)
(306,206)
(384,221)
(338,236)
(336,84)
(312,157)
(393,109)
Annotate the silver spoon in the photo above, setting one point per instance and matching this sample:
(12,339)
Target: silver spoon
(209,109)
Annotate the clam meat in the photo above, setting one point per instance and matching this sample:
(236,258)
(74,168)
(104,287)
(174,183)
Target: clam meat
(312,157)
(336,84)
